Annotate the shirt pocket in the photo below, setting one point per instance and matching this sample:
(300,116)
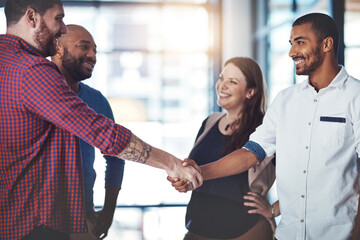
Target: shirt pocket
(332,130)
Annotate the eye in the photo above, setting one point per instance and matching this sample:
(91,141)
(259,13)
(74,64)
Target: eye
(233,81)
(83,47)
(59,19)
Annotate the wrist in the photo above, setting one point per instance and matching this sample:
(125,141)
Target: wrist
(171,166)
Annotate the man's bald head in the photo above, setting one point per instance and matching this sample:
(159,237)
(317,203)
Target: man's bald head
(76,54)
(73,30)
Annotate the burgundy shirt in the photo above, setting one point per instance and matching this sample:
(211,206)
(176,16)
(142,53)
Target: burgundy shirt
(41,119)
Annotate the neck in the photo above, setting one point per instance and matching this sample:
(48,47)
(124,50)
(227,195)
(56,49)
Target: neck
(323,76)
(231,116)
(18,30)
(74,85)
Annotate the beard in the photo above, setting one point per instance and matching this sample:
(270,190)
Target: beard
(73,66)
(45,40)
(318,60)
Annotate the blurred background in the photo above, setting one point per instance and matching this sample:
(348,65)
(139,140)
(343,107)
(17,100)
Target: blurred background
(157,64)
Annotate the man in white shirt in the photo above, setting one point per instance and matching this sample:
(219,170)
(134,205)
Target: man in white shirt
(314,128)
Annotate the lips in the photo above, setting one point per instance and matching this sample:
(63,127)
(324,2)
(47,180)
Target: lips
(223,95)
(298,60)
(89,65)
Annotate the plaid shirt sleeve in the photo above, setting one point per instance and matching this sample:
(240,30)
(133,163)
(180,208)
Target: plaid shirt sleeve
(40,167)
(46,94)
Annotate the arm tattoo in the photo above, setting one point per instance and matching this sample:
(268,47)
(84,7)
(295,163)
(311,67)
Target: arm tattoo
(137,150)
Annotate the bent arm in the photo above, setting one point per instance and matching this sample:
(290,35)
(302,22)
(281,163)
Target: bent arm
(236,162)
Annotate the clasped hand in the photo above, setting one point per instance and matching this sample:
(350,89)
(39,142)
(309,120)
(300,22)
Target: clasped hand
(183,184)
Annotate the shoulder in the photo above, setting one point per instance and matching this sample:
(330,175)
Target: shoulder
(95,99)
(91,93)
(353,83)
(86,88)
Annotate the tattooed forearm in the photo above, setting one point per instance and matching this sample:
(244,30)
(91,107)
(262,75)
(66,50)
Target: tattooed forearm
(137,150)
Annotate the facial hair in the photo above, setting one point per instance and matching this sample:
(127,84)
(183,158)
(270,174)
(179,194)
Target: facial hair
(73,66)
(318,59)
(45,40)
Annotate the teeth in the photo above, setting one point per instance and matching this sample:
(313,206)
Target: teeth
(299,61)
(223,94)
(89,64)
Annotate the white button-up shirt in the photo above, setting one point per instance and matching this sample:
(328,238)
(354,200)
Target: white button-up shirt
(316,139)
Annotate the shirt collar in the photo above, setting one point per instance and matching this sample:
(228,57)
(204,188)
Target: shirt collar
(337,82)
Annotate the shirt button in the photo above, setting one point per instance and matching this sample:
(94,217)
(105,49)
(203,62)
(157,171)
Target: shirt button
(304,171)
(309,123)
(303,196)
(306,147)
(301,220)
(315,100)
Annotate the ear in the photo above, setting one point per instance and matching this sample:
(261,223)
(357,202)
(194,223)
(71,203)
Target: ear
(59,51)
(328,44)
(250,93)
(31,17)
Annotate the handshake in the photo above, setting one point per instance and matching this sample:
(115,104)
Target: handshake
(187,177)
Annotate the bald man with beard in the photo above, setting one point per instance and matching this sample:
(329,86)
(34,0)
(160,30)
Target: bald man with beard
(76,59)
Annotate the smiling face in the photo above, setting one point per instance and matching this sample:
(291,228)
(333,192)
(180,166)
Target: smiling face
(51,27)
(79,53)
(306,50)
(231,89)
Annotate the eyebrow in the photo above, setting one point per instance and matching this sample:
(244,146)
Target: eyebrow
(298,38)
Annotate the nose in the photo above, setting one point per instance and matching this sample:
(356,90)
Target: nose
(63,28)
(91,54)
(224,84)
(292,51)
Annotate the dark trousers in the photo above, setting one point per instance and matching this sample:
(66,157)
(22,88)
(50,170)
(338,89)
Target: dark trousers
(45,233)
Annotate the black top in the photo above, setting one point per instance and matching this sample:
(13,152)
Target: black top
(216,209)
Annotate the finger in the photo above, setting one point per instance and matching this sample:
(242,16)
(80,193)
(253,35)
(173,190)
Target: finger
(254,211)
(197,180)
(253,194)
(180,183)
(171,179)
(194,165)
(252,204)
(182,189)
(251,198)
(186,162)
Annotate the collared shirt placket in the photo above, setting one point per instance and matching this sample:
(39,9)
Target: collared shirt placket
(309,120)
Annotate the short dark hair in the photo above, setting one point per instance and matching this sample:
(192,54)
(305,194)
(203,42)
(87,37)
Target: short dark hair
(323,25)
(15,9)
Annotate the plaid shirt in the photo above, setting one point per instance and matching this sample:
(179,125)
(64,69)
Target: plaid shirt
(40,163)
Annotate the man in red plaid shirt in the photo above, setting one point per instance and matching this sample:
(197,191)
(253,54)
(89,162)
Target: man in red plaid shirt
(41,194)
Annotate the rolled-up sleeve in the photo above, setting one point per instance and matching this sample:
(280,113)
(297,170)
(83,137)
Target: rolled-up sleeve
(263,141)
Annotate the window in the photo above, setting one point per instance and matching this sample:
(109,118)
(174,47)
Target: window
(273,39)
(154,64)
(352,45)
